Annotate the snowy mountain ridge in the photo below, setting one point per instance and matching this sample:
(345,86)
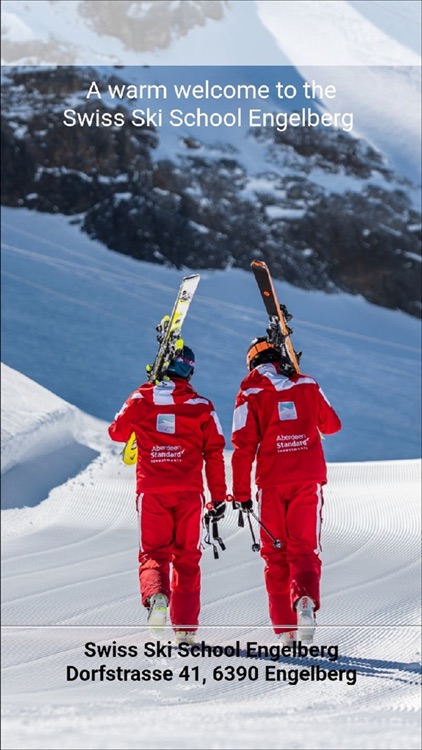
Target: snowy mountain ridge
(326,209)
(273,32)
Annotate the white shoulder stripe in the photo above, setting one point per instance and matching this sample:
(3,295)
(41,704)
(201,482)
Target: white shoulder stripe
(240,416)
(301,381)
(197,401)
(249,391)
(324,396)
(217,422)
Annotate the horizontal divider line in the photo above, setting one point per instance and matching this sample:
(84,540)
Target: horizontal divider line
(200,627)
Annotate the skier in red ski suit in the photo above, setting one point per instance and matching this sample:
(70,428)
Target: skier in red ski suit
(278,419)
(177,432)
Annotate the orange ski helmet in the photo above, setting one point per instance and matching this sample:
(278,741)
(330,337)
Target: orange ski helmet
(260,350)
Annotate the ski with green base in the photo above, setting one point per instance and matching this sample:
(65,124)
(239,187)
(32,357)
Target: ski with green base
(170,329)
(169,336)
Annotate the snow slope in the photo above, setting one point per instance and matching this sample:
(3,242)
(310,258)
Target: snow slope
(80,320)
(69,578)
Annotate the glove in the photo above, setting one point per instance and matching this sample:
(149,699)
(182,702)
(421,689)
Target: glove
(245,505)
(216,513)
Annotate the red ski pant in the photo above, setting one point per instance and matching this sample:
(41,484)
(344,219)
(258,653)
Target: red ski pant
(170,534)
(293,514)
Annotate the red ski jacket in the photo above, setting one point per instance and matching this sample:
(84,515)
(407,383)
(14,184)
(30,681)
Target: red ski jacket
(278,420)
(176,432)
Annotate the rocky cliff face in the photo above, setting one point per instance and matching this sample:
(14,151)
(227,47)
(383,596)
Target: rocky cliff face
(152,25)
(139,26)
(321,208)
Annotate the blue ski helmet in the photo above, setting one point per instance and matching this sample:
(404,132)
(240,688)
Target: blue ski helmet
(182,366)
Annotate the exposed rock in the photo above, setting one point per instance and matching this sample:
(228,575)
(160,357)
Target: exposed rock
(145,26)
(203,209)
(139,25)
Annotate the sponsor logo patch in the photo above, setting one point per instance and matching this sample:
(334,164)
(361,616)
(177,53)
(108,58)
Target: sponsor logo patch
(287,410)
(167,454)
(292,443)
(166,423)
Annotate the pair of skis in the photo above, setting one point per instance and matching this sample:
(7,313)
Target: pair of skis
(278,332)
(170,332)
(170,342)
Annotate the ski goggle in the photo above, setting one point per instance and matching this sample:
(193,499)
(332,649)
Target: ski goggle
(186,361)
(181,366)
(260,346)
